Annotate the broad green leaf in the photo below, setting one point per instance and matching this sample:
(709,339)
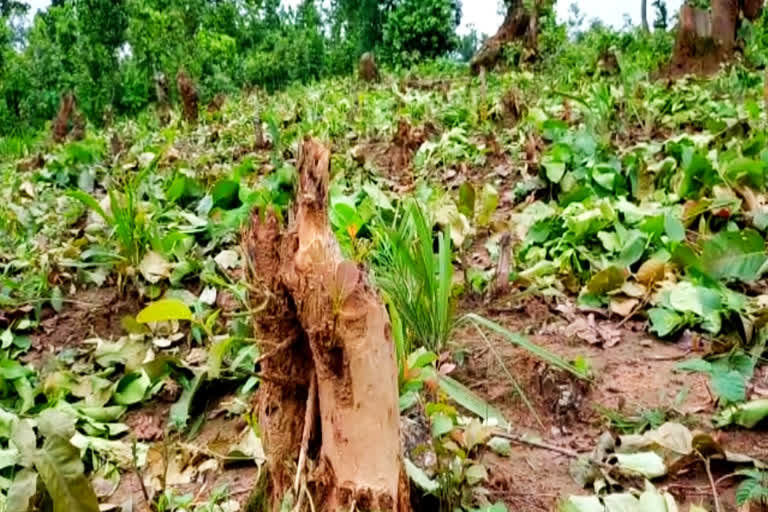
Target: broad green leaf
(489,201)
(419,477)
(729,385)
(665,321)
(746,415)
(466,202)
(697,299)
(164,310)
(500,446)
(582,504)
(23,488)
(61,470)
(132,388)
(648,464)
(555,170)
(674,228)
(651,500)
(25,441)
(607,280)
(54,422)
(475,474)
(441,424)
(734,255)
(623,502)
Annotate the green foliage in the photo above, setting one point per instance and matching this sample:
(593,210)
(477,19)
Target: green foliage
(753,489)
(418,29)
(417,280)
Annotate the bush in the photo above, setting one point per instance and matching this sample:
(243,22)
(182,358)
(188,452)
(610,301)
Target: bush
(420,29)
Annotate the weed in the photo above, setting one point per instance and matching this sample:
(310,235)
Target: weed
(418,281)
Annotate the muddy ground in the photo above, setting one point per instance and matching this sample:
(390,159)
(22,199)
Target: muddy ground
(635,373)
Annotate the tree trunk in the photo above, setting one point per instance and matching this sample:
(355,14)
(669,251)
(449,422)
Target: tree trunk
(644,15)
(706,40)
(518,25)
(320,319)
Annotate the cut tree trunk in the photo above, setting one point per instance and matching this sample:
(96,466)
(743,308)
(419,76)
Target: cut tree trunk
(189,97)
(705,40)
(519,25)
(61,125)
(319,318)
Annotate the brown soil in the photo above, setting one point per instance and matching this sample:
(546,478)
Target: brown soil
(636,374)
(89,313)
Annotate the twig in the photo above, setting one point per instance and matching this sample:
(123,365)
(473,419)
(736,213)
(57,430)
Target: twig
(309,418)
(309,497)
(138,475)
(537,444)
(712,484)
(636,310)
(517,387)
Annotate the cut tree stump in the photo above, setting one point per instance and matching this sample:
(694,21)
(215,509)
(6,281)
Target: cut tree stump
(519,24)
(706,40)
(189,97)
(318,317)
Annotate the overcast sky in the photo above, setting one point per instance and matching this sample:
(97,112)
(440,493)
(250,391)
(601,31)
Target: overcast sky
(483,14)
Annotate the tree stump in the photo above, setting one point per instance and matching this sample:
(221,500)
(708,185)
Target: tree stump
(519,25)
(705,40)
(61,124)
(189,97)
(162,95)
(367,68)
(328,401)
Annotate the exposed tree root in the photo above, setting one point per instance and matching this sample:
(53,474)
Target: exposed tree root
(338,333)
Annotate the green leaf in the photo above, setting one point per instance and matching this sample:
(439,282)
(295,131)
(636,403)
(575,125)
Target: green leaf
(91,203)
(582,504)
(466,203)
(475,474)
(607,280)
(489,201)
(164,310)
(61,470)
(500,446)
(734,255)
(419,477)
(555,170)
(648,464)
(132,388)
(22,490)
(664,321)
(524,343)
(179,414)
(441,424)
(674,228)
(470,401)
(25,441)
(729,385)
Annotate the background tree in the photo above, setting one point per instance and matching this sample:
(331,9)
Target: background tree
(644,14)
(661,15)
(417,29)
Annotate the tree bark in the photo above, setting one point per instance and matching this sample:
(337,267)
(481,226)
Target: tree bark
(706,40)
(518,25)
(644,15)
(320,317)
